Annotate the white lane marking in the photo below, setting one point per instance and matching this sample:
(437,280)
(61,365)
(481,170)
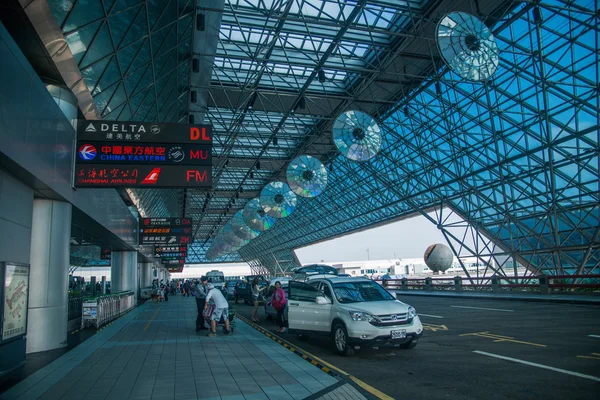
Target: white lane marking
(483,308)
(430,316)
(596,336)
(516,360)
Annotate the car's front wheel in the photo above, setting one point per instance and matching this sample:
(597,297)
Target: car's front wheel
(410,345)
(340,340)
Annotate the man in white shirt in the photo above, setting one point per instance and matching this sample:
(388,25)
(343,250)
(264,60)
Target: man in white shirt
(221,310)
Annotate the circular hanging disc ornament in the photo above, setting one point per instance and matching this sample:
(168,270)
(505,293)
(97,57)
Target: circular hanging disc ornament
(256,218)
(278,200)
(468,46)
(307,176)
(357,136)
(240,229)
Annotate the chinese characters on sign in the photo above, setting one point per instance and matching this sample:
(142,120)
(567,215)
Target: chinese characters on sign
(143,153)
(133,154)
(169,249)
(165,239)
(97,175)
(148,222)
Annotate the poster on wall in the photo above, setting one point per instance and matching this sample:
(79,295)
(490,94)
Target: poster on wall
(16,294)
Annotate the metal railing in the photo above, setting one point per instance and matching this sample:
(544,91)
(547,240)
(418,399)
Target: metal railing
(541,284)
(103,309)
(75,305)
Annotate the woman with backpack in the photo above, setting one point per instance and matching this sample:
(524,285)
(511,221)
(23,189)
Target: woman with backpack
(279,302)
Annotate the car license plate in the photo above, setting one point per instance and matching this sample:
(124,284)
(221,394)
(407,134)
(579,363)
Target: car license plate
(399,334)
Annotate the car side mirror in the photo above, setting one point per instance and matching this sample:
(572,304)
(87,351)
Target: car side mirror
(395,295)
(321,300)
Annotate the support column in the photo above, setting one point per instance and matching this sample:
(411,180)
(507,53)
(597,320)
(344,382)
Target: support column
(146,274)
(123,271)
(49,280)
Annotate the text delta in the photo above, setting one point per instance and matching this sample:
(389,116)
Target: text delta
(122,128)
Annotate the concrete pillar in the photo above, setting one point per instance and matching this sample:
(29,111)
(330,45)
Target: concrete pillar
(123,271)
(543,281)
(49,279)
(146,274)
(458,283)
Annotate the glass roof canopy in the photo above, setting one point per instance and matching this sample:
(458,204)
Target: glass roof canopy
(515,157)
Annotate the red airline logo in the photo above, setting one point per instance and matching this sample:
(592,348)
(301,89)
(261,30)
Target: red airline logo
(152,177)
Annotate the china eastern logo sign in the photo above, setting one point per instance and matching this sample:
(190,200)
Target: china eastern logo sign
(87,152)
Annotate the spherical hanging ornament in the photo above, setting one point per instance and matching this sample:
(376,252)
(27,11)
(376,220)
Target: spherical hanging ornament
(278,200)
(468,46)
(357,136)
(256,218)
(240,229)
(307,176)
(438,257)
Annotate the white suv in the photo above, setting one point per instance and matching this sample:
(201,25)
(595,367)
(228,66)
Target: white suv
(353,312)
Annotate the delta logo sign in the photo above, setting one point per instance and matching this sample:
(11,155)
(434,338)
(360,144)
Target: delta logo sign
(87,152)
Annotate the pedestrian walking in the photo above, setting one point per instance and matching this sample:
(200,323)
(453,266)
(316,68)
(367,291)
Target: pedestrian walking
(255,296)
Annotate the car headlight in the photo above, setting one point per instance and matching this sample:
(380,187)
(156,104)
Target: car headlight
(361,316)
(412,312)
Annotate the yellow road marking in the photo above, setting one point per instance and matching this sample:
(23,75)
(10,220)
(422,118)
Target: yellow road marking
(149,322)
(377,393)
(499,338)
(371,389)
(434,328)
(594,356)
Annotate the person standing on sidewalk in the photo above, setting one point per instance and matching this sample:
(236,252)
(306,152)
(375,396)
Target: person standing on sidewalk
(279,302)
(201,292)
(221,310)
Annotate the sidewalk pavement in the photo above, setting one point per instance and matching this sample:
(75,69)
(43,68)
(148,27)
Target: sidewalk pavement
(153,352)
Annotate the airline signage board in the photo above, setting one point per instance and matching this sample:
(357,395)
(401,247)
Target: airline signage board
(173,262)
(165,239)
(144,176)
(152,222)
(140,155)
(171,256)
(89,152)
(169,249)
(176,230)
(125,131)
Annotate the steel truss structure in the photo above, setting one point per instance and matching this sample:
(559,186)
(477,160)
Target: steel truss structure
(516,156)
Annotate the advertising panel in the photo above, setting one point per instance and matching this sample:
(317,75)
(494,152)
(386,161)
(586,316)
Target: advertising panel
(89,152)
(126,131)
(175,269)
(16,294)
(143,176)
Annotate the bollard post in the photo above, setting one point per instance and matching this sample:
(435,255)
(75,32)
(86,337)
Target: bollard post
(544,288)
(495,284)
(428,284)
(458,284)
(404,284)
